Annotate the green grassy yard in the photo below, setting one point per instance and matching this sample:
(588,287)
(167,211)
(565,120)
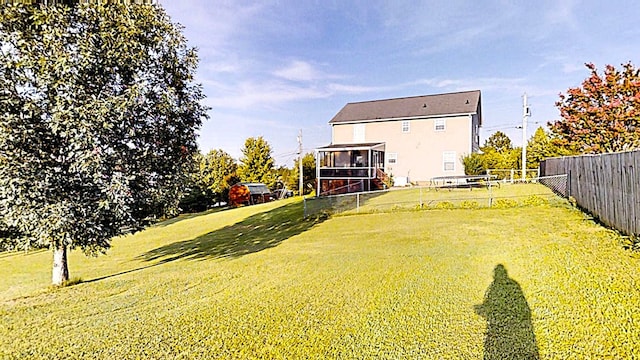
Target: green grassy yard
(499,195)
(261,282)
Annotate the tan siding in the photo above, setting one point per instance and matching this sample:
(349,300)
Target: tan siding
(420,152)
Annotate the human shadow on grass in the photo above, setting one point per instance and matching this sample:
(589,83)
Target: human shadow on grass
(254,234)
(509,332)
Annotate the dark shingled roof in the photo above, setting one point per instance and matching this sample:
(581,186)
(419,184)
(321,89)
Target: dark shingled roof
(466,102)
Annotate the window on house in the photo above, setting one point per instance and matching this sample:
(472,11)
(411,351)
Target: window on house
(358,133)
(392,158)
(449,160)
(405,127)
(440,125)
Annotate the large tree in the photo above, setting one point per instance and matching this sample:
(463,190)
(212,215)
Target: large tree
(541,146)
(98,119)
(497,153)
(256,164)
(196,196)
(498,142)
(603,115)
(215,169)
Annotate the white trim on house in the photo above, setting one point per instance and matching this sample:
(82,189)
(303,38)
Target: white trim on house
(471,127)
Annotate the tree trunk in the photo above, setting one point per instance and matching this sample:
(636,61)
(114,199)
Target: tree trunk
(60,271)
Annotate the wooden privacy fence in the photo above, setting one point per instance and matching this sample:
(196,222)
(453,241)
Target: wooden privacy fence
(606,185)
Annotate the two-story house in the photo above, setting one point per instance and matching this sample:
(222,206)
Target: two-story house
(412,139)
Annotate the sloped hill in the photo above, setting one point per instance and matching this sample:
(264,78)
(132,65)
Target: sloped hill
(538,281)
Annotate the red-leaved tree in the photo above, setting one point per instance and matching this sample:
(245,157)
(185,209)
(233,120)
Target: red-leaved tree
(603,115)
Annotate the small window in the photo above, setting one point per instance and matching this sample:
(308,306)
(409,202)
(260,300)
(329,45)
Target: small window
(392,158)
(440,125)
(405,127)
(449,160)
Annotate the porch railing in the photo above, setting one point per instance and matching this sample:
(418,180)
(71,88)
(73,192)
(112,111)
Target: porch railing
(383,177)
(358,173)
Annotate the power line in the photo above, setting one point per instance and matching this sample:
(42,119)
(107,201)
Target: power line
(293,152)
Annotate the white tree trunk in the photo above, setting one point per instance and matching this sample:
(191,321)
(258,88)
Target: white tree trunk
(60,271)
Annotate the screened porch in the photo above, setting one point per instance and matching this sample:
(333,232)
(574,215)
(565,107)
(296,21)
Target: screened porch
(345,168)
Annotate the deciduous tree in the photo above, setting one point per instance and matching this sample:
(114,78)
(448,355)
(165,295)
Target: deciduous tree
(215,168)
(256,164)
(541,146)
(196,196)
(497,153)
(603,115)
(498,142)
(98,119)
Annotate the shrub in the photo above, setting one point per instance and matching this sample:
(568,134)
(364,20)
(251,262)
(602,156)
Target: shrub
(469,204)
(445,205)
(505,203)
(535,200)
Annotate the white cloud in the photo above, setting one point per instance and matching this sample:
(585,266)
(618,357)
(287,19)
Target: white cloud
(269,94)
(214,24)
(298,71)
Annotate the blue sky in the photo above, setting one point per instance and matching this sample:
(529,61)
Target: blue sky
(271,68)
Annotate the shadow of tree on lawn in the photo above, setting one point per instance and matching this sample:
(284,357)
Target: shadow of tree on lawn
(187,216)
(509,329)
(254,234)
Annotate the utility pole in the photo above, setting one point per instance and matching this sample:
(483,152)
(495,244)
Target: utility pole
(526,112)
(301,183)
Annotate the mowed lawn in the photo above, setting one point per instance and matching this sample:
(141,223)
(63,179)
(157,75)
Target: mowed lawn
(261,282)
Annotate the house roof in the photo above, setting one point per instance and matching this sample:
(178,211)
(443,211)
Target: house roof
(255,188)
(362,146)
(466,102)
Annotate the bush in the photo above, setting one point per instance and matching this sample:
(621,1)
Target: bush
(469,204)
(505,203)
(445,205)
(535,200)
(196,200)
(473,164)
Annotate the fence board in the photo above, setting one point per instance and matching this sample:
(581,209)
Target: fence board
(606,185)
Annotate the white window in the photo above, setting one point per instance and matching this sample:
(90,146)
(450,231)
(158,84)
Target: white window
(358,133)
(405,127)
(449,160)
(392,158)
(440,125)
